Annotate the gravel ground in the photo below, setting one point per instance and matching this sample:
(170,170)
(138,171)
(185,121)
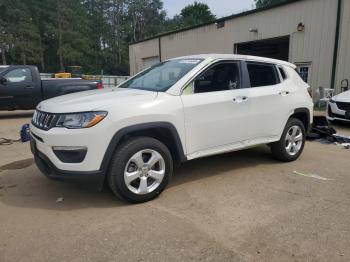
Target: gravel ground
(242,206)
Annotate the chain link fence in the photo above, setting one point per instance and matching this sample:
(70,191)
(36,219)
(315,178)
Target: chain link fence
(108,81)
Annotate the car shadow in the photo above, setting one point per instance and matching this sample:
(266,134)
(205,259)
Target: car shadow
(340,124)
(28,188)
(220,164)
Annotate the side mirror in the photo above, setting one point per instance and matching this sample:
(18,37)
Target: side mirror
(3,80)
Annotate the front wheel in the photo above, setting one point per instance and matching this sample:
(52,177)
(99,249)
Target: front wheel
(292,142)
(140,170)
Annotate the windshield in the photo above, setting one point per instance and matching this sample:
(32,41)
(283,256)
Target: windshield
(2,68)
(161,76)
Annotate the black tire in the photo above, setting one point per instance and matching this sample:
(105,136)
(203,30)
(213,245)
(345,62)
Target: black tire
(279,150)
(121,158)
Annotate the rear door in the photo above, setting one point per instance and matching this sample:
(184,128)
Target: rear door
(215,108)
(269,100)
(20,89)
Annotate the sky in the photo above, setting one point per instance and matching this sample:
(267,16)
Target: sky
(219,7)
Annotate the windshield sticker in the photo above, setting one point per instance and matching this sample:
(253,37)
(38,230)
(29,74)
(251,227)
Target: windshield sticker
(193,62)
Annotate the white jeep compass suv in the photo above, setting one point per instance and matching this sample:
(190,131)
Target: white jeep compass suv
(181,109)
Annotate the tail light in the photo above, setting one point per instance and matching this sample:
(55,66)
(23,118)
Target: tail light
(309,90)
(99,85)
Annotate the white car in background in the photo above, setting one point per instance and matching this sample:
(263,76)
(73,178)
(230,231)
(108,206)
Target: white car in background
(181,109)
(338,107)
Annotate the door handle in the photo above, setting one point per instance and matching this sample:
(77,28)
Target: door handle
(29,87)
(240,99)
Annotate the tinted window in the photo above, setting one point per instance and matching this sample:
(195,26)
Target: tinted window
(283,74)
(19,75)
(221,77)
(162,76)
(262,74)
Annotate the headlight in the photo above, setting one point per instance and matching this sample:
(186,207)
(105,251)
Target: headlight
(80,120)
(331,101)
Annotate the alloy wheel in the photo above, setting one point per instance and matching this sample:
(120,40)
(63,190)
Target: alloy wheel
(144,172)
(294,140)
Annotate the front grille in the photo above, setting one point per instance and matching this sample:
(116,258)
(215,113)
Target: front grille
(43,120)
(343,106)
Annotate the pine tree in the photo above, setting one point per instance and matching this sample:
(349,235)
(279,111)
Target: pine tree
(92,33)
(71,32)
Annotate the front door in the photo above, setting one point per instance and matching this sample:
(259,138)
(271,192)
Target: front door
(6,97)
(19,89)
(215,108)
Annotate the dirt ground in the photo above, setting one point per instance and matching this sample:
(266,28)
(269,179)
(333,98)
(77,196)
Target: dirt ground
(242,206)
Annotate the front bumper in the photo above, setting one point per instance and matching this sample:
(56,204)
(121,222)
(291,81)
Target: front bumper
(334,113)
(44,164)
(95,140)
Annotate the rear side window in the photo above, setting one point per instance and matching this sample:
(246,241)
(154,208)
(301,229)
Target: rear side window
(262,74)
(283,73)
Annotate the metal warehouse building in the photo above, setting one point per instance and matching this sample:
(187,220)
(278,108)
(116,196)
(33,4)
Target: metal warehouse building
(313,34)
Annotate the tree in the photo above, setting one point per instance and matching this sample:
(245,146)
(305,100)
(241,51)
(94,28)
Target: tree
(94,34)
(4,32)
(197,13)
(98,31)
(19,35)
(146,17)
(266,3)
(71,32)
(194,14)
(43,13)
(128,21)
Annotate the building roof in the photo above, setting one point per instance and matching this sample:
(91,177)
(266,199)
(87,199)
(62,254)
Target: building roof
(237,57)
(286,2)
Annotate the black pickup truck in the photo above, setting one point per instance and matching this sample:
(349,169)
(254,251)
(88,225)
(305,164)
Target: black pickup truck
(22,88)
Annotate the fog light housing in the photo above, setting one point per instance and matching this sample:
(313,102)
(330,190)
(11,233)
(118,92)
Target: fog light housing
(70,154)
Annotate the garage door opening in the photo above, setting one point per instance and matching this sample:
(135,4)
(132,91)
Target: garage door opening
(277,48)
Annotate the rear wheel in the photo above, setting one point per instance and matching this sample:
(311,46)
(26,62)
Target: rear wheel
(292,142)
(140,169)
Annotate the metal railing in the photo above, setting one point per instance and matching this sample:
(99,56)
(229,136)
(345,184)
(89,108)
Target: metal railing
(45,75)
(107,80)
(112,81)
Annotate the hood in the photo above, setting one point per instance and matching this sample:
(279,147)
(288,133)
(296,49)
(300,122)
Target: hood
(343,97)
(93,100)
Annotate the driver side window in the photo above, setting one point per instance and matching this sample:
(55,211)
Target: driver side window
(19,75)
(220,77)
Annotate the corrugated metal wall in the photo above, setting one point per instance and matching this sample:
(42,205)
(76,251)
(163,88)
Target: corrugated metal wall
(314,45)
(141,51)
